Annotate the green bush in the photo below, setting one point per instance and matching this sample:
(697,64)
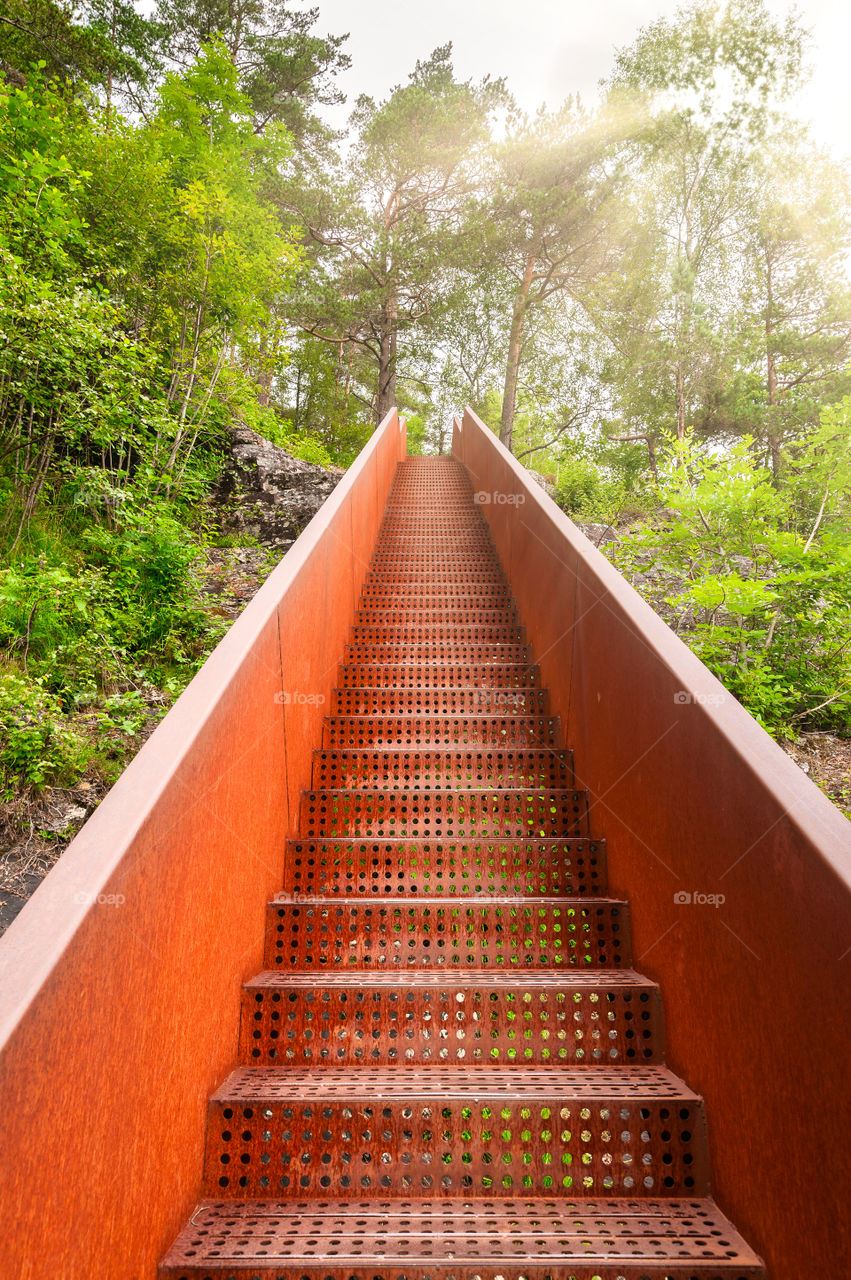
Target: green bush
(36,745)
(766,594)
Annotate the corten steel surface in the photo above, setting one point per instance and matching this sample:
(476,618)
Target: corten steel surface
(427,770)
(448,933)
(107,1053)
(445,868)
(508,730)
(581,1239)
(485,1131)
(695,798)
(449,1018)
(470,812)
(475,1017)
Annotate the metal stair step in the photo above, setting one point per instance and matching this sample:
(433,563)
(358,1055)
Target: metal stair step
(439,701)
(377,591)
(455,1131)
(505,934)
(407,615)
(418,770)
(416,633)
(506,730)
(482,1239)
(600,1018)
(340,867)
(456,578)
(439,675)
(456,812)
(436,651)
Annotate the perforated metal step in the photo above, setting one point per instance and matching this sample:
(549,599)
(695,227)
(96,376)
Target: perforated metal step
(445,652)
(334,867)
(523,934)
(377,591)
(470,812)
(439,675)
(390,577)
(442,731)
(445,615)
(420,633)
(583,1239)
(418,770)
(413,1019)
(454,1132)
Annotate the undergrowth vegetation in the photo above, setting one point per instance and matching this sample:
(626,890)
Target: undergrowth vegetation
(755,574)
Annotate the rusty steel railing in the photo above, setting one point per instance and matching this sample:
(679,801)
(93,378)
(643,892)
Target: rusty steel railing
(119,980)
(698,804)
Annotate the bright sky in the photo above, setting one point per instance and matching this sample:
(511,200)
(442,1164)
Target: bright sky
(549,48)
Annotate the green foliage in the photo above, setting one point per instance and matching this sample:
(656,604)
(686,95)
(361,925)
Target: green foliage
(602,481)
(670,267)
(36,746)
(100,43)
(765,585)
(284,68)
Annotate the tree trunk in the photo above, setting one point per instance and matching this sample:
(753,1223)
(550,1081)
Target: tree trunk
(264,373)
(681,402)
(512,367)
(771,378)
(387,359)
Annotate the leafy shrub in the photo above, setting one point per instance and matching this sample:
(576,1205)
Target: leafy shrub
(36,746)
(601,480)
(766,589)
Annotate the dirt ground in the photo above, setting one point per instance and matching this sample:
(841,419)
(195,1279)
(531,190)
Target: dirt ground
(827,760)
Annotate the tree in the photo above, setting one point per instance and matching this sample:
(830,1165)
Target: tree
(795,320)
(550,214)
(225,254)
(708,82)
(381,226)
(95,43)
(284,68)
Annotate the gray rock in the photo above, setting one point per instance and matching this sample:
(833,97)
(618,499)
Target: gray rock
(596,533)
(59,820)
(267,493)
(547,482)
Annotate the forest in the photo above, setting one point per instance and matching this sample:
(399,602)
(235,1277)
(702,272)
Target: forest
(647,298)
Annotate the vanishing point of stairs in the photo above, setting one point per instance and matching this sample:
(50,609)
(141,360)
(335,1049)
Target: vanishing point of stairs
(448,1069)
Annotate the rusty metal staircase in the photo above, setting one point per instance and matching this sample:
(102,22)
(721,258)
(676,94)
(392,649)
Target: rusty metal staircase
(448,1068)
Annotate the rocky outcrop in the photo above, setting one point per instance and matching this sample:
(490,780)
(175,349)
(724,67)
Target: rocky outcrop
(547,482)
(596,533)
(267,493)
